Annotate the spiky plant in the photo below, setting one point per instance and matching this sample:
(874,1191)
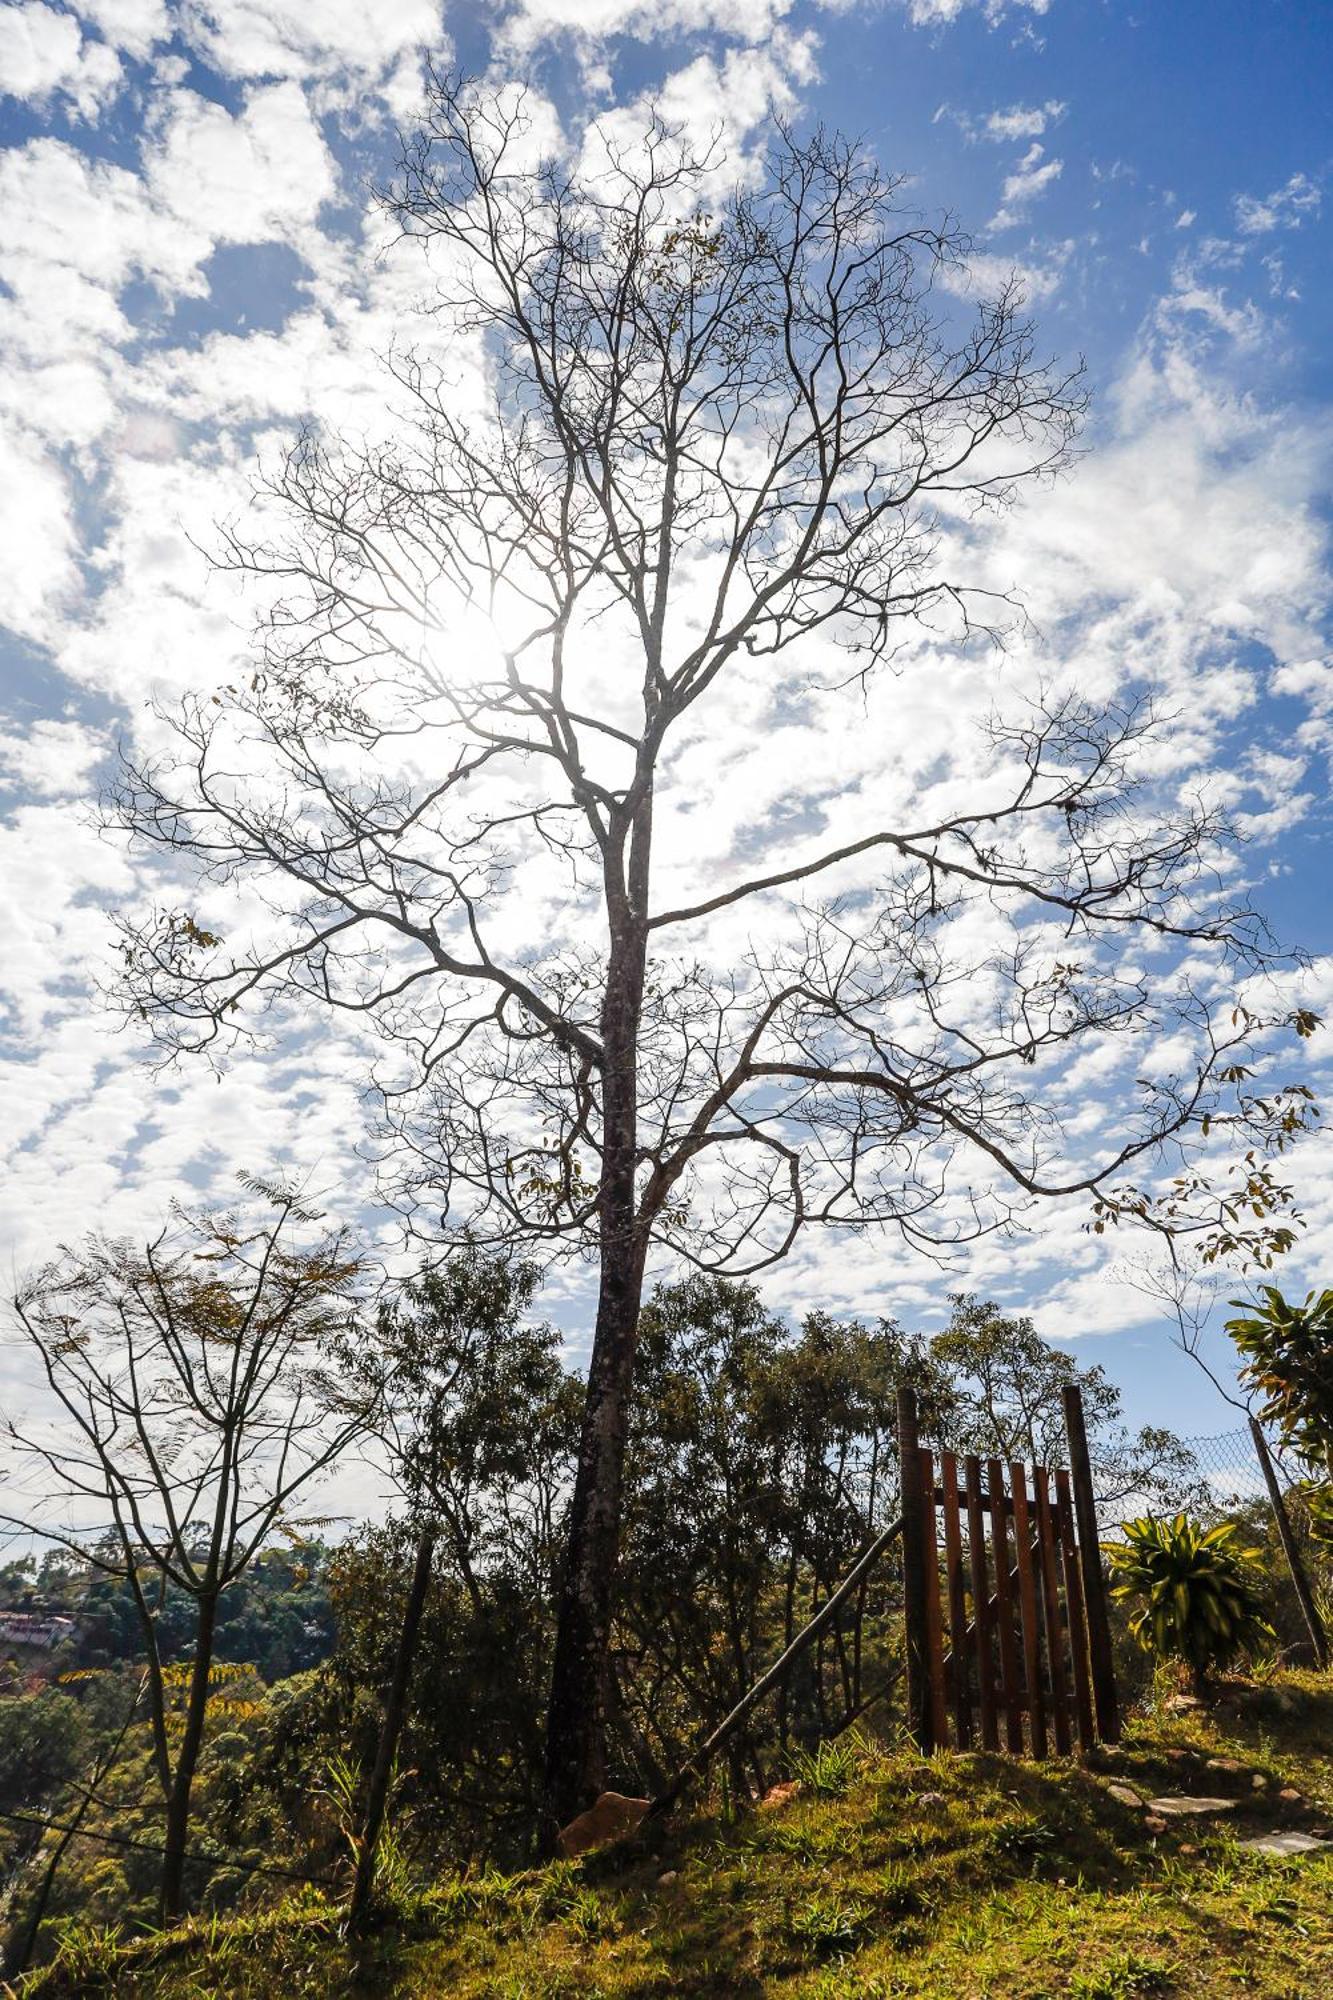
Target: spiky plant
(1288,1360)
(1197,1591)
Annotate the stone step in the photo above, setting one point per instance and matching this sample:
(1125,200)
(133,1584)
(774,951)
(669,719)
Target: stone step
(1183,1805)
(1284,1843)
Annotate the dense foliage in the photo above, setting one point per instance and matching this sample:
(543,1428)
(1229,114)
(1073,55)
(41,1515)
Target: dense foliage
(1288,1362)
(1197,1592)
(761,1458)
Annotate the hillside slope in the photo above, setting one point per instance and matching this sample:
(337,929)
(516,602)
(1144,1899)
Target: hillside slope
(883,1874)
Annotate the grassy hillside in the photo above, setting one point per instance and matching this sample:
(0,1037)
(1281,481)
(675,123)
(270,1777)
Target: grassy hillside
(883,1874)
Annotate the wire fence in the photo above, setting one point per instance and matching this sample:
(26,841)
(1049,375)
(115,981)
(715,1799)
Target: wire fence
(1230,1470)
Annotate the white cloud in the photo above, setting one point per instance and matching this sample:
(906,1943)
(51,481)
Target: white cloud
(1189,532)
(361,62)
(1032,176)
(1297,201)
(1016,121)
(1242,323)
(37,535)
(242,179)
(938,13)
(52,759)
(291,38)
(1023,121)
(132,25)
(62,213)
(984,275)
(43,54)
(729,100)
(1189,536)
(535,21)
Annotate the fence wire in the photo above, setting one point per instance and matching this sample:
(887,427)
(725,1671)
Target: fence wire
(1229,1467)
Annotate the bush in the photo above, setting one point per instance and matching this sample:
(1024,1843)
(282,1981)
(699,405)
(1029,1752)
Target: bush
(41,1747)
(1197,1591)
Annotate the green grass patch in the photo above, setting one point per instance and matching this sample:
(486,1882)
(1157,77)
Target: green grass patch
(886,1875)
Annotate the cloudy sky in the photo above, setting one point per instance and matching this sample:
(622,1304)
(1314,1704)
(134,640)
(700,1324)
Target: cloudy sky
(190,267)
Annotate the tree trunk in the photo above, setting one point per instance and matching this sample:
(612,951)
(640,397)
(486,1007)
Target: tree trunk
(575,1749)
(178,1804)
(575,1735)
(391,1727)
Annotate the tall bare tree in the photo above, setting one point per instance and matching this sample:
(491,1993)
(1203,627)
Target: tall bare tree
(724,434)
(186,1417)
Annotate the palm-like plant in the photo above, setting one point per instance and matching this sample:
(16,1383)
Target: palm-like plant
(1288,1350)
(1197,1591)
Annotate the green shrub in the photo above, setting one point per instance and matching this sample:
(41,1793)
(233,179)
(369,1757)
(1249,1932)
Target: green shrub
(1197,1591)
(1288,1352)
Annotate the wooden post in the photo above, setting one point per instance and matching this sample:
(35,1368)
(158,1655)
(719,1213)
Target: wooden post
(1027,1606)
(953,1559)
(1078,1624)
(930,1558)
(915,1616)
(1094,1578)
(1050,1598)
(1314,1624)
(981,1618)
(1011,1698)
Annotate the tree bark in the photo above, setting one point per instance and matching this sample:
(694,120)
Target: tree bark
(575,1755)
(170,1899)
(575,1734)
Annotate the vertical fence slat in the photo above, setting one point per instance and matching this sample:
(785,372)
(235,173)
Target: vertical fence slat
(1090,1559)
(913,1504)
(1027,1606)
(1010,1693)
(981,1613)
(939,1714)
(1078,1624)
(953,1563)
(1050,1598)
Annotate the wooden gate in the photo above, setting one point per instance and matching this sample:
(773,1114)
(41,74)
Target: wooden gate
(1004,1605)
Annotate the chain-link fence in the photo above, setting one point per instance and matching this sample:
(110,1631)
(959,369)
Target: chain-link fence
(1229,1468)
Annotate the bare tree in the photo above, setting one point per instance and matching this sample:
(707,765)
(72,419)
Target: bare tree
(187,1416)
(727,434)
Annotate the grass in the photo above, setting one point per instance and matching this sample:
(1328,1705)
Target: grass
(887,1875)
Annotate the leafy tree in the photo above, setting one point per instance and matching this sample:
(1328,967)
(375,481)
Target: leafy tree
(1005,1401)
(481,1424)
(727,434)
(278,1618)
(188,1413)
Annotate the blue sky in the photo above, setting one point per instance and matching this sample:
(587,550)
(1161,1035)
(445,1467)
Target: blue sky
(187,271)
